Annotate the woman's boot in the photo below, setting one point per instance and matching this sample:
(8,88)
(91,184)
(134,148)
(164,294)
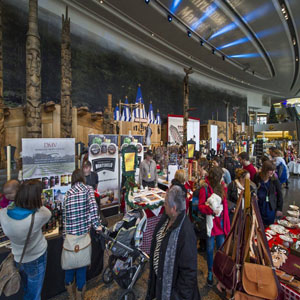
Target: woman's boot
(71,289)
(80,294)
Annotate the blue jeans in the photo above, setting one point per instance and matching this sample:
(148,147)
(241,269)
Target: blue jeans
(33,274)
(210,245)
(80,277)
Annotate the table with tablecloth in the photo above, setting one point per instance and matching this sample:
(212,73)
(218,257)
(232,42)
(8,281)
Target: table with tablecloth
(289,292)
(153,215)
(294,167)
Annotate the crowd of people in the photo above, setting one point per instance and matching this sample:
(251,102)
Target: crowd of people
(173,258)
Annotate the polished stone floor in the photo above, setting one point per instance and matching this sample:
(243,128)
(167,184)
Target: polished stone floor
(97,290)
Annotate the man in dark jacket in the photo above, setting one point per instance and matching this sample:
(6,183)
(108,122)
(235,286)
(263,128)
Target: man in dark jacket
(91,178)
(173,256)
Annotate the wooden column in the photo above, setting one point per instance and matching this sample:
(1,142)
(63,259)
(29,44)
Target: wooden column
(2,130)
(186,92)
(66,78)
(33,74)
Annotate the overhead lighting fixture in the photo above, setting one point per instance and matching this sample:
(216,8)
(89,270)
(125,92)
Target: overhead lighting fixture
(294,42)
(170,18)
(189,34)
(253,73)
(152,34)
(297,59)
(213,51)
(147,1)
(201,42)
(101,2)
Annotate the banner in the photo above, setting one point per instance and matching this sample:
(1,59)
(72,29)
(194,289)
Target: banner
(103,155)
(136,140)
(214,137)
(52,161)
(175,130)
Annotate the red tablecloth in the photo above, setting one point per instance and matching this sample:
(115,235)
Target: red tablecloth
(289,293)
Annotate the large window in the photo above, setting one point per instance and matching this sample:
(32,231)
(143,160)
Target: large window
(261,120)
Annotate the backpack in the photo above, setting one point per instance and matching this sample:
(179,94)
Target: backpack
(231,165)
(282,174)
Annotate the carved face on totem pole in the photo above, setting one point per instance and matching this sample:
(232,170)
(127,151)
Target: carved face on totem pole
(33,64)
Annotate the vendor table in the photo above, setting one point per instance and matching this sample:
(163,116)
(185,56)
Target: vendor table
(289,293)
(294,167)
(54,278)
(153,215)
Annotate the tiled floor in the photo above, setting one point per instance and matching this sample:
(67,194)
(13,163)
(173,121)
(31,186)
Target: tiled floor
(97,290)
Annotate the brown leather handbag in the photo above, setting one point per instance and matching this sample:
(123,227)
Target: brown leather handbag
(10,279)
(242,296)
(226,260)
(259,279)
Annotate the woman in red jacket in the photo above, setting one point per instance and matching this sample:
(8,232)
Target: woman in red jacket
(221,224)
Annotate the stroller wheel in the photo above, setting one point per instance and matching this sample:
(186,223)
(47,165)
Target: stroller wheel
(127,295)
(107,275)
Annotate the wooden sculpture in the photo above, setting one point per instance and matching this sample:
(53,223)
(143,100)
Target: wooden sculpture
(235,124)
(33,74)
(186,92)
(109,125)
(2,130)
(66,78)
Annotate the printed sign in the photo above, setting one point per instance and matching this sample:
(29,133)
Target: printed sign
(175,130)
(43,158)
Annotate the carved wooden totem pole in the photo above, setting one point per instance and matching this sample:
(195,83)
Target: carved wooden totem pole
(66,78)
(2,131)
(235,124)
(186,92)
(33,74)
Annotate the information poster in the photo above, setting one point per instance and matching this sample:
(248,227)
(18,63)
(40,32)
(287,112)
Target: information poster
(175,130)
(136,140)
(104,155)
(214,136)
(52,161)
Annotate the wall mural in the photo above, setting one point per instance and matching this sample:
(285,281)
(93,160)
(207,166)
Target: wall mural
(99,69)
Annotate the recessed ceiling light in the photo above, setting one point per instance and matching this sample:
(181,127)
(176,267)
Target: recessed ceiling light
(294,42)
(147,1)
(152,34)
(169,18)
(201,42)
(189,33)
(297,59)
(101,2)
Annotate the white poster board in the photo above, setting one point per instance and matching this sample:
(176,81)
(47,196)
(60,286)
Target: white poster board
(103,155)
(52,161)
(214,137)
(45,157)
(175,130)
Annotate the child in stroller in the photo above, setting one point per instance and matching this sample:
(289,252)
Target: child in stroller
(127,261)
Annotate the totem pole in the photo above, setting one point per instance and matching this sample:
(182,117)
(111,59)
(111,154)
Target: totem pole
(235,124)
(186,92)
(66,78)
(2,130)
(33,74)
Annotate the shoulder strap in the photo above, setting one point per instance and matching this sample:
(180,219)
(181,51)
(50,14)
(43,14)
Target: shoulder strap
(27,238)
(206,192)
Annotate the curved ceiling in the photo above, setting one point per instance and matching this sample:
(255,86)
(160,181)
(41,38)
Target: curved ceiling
(251,44)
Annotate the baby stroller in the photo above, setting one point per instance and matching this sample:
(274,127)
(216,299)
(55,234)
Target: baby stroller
(127,261)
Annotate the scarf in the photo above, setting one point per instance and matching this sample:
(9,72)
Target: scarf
(169,262)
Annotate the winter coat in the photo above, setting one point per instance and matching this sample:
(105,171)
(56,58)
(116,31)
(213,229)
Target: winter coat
(184,282)
(218,229)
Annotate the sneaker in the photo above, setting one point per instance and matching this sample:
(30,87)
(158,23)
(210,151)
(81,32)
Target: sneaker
(209,279)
